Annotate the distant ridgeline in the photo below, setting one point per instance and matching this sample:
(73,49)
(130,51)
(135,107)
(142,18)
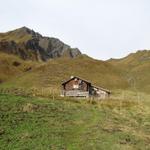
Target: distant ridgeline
(30,45)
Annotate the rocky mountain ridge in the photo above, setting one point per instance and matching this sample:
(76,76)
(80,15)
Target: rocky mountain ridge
(30,45)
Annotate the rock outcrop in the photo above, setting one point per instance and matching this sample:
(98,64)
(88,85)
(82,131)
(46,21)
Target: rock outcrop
(30,45)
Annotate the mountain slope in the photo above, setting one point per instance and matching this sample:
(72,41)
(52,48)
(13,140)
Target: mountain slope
(11,66)
(30,45)
(51,73)
(136,68)
(130,72)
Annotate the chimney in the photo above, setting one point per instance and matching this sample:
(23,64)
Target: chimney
(71,77)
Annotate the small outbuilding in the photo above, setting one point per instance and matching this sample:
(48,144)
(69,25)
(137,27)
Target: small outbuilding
(78,87)
(100,92)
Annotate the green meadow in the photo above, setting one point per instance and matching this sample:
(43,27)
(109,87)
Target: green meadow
(28,122)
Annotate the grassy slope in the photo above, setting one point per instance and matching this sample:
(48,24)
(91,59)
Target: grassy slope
(136,68)
(16,35)
(129,72)
(11,66)
(52,73)
(35,123)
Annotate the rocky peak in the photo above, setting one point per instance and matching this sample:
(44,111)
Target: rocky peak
(24,29)
(27,31)
(32,45)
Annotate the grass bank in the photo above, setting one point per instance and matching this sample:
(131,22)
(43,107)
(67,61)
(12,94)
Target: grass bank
(42,123)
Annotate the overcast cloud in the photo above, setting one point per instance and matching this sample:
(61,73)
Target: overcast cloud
(100,28)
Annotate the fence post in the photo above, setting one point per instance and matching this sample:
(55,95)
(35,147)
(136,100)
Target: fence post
(53,94)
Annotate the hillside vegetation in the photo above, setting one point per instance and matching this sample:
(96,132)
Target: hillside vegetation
(131,72)
(37,123)
(11,66)
(53,72)
(136,69)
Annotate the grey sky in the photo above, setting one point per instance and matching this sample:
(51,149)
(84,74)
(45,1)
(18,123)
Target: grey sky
(100,28)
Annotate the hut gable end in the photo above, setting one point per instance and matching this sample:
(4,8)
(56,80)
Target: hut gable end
(76,83)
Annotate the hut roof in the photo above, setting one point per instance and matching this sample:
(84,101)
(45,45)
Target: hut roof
(106,90)
(73,77)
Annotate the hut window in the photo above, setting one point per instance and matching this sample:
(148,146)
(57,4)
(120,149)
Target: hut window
(75,86)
